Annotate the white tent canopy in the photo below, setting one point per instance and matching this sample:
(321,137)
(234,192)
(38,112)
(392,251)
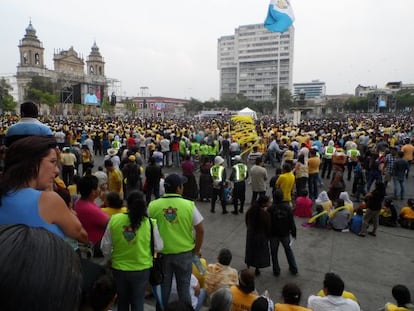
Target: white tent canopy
(247,112)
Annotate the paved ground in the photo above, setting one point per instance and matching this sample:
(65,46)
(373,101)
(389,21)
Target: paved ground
(369,266)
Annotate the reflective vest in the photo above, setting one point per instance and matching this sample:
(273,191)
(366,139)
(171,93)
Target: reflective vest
(195,148)
(131,251)
(240,172)
(204,149)
(353,153)
(216,171)
(174,216)
(329,151)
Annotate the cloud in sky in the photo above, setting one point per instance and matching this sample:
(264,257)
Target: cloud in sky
(171,46)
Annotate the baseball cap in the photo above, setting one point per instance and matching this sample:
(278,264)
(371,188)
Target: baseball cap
(172,181)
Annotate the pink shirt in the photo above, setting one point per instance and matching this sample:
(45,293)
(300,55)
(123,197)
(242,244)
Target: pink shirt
(303,207)
(93,219)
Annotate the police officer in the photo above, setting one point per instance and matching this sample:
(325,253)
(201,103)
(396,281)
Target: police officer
(218,173)
(327,159)
(238,176)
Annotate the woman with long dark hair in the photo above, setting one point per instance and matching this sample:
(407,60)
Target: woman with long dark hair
(258,228)
(127,241)
(25,196)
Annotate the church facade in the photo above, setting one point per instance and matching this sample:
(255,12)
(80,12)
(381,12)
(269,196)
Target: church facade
(75,85)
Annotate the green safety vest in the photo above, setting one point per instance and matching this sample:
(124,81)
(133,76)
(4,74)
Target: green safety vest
(353,153)
(212,150)
(195,148)
(216,171)
(183,147)
(174,216)
(131,251)
(203,149)
(240,170)
(329,151)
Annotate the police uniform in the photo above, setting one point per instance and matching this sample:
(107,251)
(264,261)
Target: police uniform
(238,177)
(218,173)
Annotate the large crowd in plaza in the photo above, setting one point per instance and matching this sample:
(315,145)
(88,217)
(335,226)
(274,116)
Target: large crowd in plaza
(113,224)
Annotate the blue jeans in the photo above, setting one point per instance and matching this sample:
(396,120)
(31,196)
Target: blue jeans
(176,158)
(131,289)
(272,155)
(201,297)
(400,182)
(179,265)
(274,246)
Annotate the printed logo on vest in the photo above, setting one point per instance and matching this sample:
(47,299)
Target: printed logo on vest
(128,233)
(170,214)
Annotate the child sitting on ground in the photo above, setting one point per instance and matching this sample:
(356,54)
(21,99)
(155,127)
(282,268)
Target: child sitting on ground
(319,218)
(355,224)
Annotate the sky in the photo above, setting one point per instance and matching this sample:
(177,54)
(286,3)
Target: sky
(170,47)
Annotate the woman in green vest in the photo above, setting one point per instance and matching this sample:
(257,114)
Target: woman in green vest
(127,241)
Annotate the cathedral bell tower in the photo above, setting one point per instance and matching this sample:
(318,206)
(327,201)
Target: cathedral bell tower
(31,49)
(95,62)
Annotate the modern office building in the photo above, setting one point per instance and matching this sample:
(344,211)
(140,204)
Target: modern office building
(314,89)
(248,62)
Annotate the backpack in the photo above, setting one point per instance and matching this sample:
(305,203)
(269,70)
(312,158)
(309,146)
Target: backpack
(279,214)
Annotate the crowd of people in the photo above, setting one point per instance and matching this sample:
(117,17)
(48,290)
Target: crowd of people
(127,212)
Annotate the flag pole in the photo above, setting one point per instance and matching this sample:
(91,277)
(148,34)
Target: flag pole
(278,80)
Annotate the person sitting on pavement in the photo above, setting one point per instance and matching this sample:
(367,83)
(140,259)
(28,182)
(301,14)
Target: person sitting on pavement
(388,215)
(355,224)
(221,300)
(333,288)
(291,294)
(403,297)
(349,205)
(339,217)
(244,294)
(262,303)
(324,201)
(406,218)
(221,273)
(303,205)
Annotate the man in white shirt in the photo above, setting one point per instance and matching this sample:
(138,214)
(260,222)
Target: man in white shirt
(333,287)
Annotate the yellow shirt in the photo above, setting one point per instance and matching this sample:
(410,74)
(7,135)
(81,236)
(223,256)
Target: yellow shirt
(289,307)
(241,301)
(112,211)
(115,180)
(285,183)
(313,165)
(345,294)
(407,213)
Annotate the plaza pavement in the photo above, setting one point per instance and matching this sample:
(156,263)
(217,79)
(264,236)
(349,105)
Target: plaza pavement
(369,266)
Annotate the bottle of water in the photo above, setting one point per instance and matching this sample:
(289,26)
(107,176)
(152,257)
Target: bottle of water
(199,265)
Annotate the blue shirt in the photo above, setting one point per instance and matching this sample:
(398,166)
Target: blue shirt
(22,207)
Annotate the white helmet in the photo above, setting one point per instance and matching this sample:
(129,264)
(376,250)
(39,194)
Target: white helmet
(218,160)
